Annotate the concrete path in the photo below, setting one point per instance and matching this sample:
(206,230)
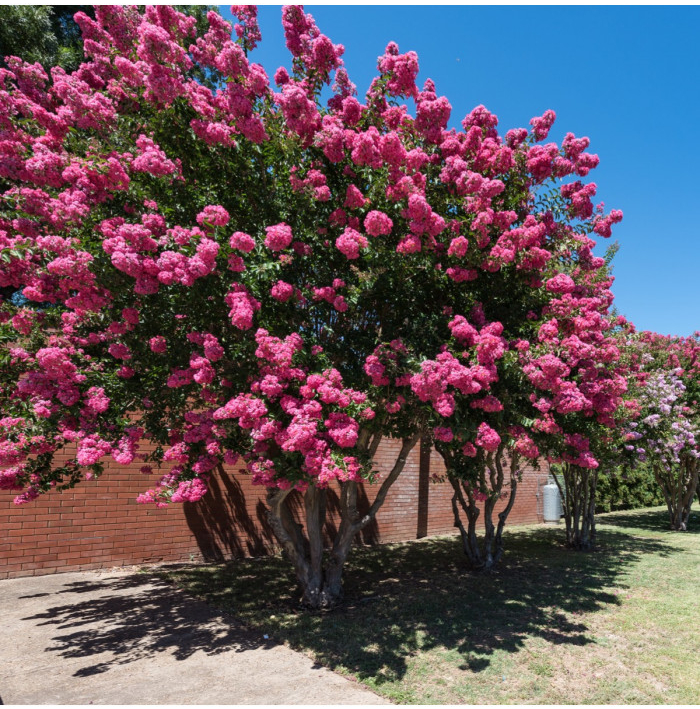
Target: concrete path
(126,638)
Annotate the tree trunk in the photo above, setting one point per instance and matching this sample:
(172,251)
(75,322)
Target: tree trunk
(320,579)
(503,515)
(470,541)
(489,475)
(679,485)
(578,499)
(289,534)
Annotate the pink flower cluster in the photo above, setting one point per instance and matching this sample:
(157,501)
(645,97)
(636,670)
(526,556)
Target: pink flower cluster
(294,411)
(279,237)
(243,307)
(350,242)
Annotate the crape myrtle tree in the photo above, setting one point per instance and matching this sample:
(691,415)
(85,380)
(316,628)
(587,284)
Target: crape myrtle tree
(594,444)
(578,483)
(230,268)
(666,432)
(558,388)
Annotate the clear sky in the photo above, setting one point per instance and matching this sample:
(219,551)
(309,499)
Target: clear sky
(626,77)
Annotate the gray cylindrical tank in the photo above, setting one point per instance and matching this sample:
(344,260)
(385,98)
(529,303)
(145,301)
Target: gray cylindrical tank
(551,502)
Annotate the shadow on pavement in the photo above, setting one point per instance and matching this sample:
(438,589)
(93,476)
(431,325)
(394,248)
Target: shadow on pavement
(135,617)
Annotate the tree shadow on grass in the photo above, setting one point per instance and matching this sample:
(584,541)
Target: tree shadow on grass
(655,520)
(405,599)
(135,617)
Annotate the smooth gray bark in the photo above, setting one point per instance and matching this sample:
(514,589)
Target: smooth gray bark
(578,500)
(318,571)
(679,484)
(492,473)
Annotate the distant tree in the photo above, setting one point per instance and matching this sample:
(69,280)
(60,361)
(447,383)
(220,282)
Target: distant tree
(627,487)
(666,433)
(47,34)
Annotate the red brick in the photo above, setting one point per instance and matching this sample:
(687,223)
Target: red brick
(100,525)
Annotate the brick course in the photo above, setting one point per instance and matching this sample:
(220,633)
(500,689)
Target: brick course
(98,524)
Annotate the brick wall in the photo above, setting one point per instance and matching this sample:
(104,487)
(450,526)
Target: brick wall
(98,524)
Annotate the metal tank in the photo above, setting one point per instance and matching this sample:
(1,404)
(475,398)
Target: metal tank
(552,507)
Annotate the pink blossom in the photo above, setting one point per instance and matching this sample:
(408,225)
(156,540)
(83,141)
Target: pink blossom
(462,275)
(353,198)
(351,110)
(158,344)
(487,438)
(375,370)
(488,403)
(542,124)
(402,70)
(282,291)
(469,450)
(377,223)
(152,159)
(279,237)
(131,315)
(561,283)
(443,434)
(458,247)
(243,242)
(410,244)
(189,491)
(462,330)
(281,76)
(212,348)
(91,449)
(119,350)
(350,242)
(97,401)
(300,112)
(243,306)
(213,215)
(342,429)
(340,304)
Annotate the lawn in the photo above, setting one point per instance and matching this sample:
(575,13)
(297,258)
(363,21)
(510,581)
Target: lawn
(617,626)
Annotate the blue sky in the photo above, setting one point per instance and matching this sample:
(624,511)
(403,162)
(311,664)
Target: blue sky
(627,77)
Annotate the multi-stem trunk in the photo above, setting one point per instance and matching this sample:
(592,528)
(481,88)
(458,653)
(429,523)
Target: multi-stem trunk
(578,500)
(679,483)
(320,571)
(489,478)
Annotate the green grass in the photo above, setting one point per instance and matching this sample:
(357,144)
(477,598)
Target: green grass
(617,626)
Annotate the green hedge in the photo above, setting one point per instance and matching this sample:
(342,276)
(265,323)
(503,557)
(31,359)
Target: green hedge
(627,489)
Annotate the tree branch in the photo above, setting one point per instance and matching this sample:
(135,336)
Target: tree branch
(406,447)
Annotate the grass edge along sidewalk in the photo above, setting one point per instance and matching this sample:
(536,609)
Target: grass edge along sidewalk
(617,626)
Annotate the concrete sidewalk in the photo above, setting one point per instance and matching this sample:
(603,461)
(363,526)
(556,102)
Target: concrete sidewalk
(126,638)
